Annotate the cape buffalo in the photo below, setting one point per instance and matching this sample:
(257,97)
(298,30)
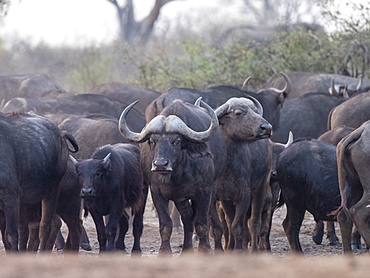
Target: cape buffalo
(27,85)
(245,182)
(309,82)
(271,99)
(308,177)
(305,116)
(112,181)
(353,163)
(92,131)
(33,161)
(182,152)
(127,94)
(68,209)
(82,104)
(352,113)
(334,136)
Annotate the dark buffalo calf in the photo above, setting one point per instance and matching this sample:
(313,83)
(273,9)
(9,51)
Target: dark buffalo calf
(308,177)
(111,181)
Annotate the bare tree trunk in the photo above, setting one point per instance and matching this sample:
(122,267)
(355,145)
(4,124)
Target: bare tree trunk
(132,31)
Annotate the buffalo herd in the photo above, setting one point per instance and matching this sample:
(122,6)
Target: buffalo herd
(224,156)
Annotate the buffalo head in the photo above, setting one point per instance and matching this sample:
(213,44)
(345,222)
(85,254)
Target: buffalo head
(241,119)
(168,135)
(90,172)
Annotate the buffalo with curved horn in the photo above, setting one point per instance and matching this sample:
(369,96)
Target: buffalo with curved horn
(181,152)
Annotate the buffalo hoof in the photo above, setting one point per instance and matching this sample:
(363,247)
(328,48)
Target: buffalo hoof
(86,246)
(195,237)
(356,246)
(317,239)
(318,233)
(334,240)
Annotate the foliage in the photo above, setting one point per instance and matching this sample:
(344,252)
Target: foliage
(200,65)
(352,36)
(4,6)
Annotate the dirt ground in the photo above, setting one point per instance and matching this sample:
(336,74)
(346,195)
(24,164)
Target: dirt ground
(319,260)
(150,241)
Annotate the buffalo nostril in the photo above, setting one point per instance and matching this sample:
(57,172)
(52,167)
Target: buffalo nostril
(87,191)
(160,162)
(266,128)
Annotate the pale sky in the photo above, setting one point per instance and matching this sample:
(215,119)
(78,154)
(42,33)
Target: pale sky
(81,22)
(78,21)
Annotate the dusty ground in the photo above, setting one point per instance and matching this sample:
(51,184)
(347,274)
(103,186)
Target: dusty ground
(150,241)
(319,260)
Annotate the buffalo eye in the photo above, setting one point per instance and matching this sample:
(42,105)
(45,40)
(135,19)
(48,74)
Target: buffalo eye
(177,141)
(151,142)
(238,112)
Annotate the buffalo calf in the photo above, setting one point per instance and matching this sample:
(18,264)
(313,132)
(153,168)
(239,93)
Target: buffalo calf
(112,180)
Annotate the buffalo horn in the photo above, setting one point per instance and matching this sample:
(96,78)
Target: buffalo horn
(332,90)
(245,83)
(106,159)
(171,124)
(257,104)
(359,85)
(345,92)
(288,84)
(197,102)
(74,160)
(156,124)
(175,125)
(290,140)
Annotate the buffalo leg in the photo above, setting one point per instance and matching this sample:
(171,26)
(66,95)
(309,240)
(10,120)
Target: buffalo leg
(331,235)
(202,219)
(123,228)
(138,223)
(356,240)
(175,217)
(56,224)
(265,216)
(84,241)
(360,215)
(225,228)
(48,210)
(187,217)
(345,224)
(264,234)
(2,228)
(100,231)
(229,212)
(59,242)
(74,232)
(292,224)
(11,212)
(237,226)
(24,215)
(217,228)
(318,232)
(112,225)
(165,222)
